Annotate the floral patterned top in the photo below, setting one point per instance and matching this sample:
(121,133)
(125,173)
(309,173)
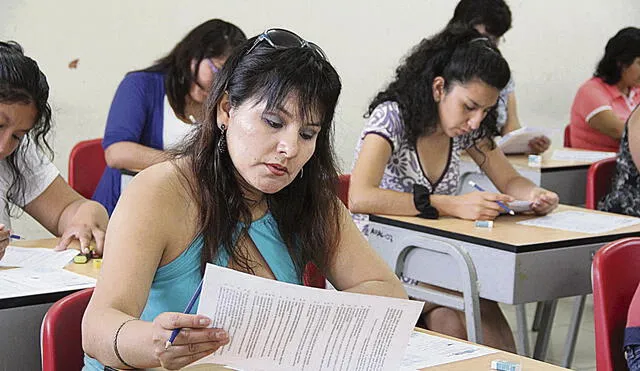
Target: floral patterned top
(501,107)
(624,197)
(404,169)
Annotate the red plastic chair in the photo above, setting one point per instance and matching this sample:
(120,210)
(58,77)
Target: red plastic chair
(567,136)
(61,340)
(343,188)
(615,279)
(599,178)
(86,165)
(312,276)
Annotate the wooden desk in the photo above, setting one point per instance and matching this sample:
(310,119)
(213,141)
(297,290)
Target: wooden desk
(515,263)
(567,178)
(21,317)
(85,269)
(479,363)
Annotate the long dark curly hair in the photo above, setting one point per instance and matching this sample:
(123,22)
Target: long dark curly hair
(22,82)
(307,211)
(459,54)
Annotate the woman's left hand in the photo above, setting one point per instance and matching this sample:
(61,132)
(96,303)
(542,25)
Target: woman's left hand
(83,233)
(539,144)
(543,201)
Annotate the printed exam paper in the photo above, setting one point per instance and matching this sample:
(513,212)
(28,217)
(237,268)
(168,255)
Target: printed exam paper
(275,325)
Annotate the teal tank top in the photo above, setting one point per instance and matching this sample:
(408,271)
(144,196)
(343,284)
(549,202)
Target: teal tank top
(174,283)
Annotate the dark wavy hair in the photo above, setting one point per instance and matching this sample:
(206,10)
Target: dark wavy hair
(495,15)
(460,55)
(213,38)
(307,211)
(22,82)
(621,50)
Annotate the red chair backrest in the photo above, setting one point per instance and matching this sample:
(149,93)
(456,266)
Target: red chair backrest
(312,276)
(599,178)
(343,188)
(86,165)
(567,136)
(615,279)
(61,340)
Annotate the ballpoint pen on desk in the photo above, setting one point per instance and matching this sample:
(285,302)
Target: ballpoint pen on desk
(16,237)
(502,205)
(176,331)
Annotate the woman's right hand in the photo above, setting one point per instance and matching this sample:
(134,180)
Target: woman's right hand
(194,341)
(4,239)
(479,205)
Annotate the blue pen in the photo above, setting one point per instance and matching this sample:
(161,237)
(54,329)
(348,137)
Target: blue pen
(176,331)
(502,205)
(15,237)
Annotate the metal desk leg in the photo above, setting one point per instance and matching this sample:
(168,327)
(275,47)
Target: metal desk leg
(542,342)
(522,341)
(572,334)
(470,301)
(537,317)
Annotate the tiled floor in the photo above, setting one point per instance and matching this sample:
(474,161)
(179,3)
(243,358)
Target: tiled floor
(584,358)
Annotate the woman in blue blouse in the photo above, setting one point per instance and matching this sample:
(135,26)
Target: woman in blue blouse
(151,109)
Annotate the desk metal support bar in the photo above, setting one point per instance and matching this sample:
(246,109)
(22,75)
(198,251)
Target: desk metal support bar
(522,344)
(572,334)
(470,301)
(544,333)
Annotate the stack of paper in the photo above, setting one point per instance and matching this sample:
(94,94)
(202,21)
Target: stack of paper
(28,281)
(582,156)
(31,257)
(517,141)
(280,326)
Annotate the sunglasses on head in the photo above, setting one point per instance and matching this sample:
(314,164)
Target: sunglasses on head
(280,38)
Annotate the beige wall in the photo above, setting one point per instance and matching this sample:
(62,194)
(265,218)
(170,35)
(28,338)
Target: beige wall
(552,48)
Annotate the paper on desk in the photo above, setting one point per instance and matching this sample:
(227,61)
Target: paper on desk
(578,221)
(518,140)
(27,281)
(518,206)
(280,326)
(29,257)
(582,156)
(426,350)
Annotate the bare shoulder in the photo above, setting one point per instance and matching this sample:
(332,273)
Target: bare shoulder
(161,189)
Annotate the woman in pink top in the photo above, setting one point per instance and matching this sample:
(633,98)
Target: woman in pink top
(604,102)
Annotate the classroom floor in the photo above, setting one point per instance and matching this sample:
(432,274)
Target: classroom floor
(585,358)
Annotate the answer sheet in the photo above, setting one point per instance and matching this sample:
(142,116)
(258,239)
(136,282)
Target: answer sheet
(26,281)
(579,221)
(426,350)
(34,257)
(582,156)
(280,326)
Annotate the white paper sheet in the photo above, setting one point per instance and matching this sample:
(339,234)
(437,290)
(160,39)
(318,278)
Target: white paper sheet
(30,257)
(582,156)
(26,281)
(579,221)
(279,326)
(426,350)
(518,206)
(518,140)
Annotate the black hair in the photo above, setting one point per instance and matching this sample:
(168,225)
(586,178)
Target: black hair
(22,82)
(307,211)
(621,50)
(213,38)
(495,15)
(460,55)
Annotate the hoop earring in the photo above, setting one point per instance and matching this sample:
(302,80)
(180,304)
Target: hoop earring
(222,142)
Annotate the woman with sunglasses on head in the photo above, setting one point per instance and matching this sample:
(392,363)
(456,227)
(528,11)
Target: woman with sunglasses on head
(605,101)
(253,189)
(28,179)
(153,109)
(441,103)
(492,18)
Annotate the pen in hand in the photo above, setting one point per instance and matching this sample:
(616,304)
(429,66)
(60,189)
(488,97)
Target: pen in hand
(500,203)
(176,331)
